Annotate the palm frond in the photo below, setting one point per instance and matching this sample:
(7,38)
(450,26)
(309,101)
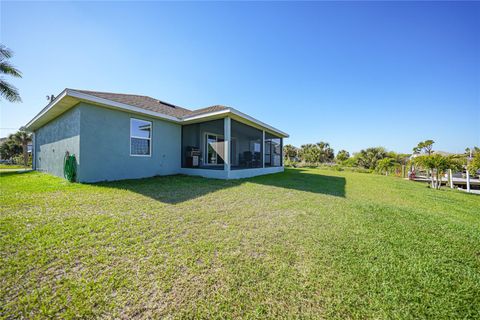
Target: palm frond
(9,92)
(22,137)
(5,53)
(7,68)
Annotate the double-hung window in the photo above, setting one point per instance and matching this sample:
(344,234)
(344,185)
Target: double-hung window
(140,137)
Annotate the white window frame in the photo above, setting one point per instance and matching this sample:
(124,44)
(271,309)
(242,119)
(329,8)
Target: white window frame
(150,139)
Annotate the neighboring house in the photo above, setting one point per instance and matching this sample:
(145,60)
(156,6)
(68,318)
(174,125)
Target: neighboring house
(123,136)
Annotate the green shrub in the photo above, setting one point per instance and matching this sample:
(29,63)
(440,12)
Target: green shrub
(18,160)
(357,169)
(289,163)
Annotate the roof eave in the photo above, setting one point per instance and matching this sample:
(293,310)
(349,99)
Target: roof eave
(30,124)
(235,112)
(260,123)
(79,97)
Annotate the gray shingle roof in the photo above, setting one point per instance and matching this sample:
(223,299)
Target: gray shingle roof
(152,104)
(206,110)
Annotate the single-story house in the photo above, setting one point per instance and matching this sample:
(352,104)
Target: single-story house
(124,136)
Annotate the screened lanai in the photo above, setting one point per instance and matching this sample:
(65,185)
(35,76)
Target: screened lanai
(203,145)
(206,145)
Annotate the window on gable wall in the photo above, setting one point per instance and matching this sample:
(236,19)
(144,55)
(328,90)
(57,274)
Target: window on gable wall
(140,137)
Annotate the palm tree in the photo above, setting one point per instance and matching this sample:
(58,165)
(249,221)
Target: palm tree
(343,155)
(289,152)
(23,138)
(9,148)
(369,157)
(7,90)
(385,165)
(438,165)
(469,153)
(326,153)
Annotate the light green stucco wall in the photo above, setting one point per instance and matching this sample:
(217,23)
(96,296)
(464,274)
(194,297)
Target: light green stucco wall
(100,139)
(54,139)
(105,146)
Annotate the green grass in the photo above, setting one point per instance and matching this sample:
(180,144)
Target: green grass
(305,243)
(12,166)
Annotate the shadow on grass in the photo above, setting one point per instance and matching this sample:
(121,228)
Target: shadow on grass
(180,188)
(304,180)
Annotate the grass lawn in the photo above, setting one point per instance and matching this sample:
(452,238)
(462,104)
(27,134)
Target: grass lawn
(304,243)
(13,166)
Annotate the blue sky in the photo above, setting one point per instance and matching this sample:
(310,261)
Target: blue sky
(353,74)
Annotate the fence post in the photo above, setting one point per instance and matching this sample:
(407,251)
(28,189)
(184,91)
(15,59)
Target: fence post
(451,178)
(468,181)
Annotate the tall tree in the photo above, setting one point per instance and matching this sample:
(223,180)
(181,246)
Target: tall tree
(290,152)
(326,153)
(417,150)
(316,153)
(401,158)
(23,138)
(425,146)
(10,148)
(474,165)
(428,146)
(369,157)
(309,153)
(385,165)
(8,91)
(342,155)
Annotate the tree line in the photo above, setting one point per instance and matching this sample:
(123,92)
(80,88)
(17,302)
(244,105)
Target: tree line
(14,148)
(321,153)
(379,159)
